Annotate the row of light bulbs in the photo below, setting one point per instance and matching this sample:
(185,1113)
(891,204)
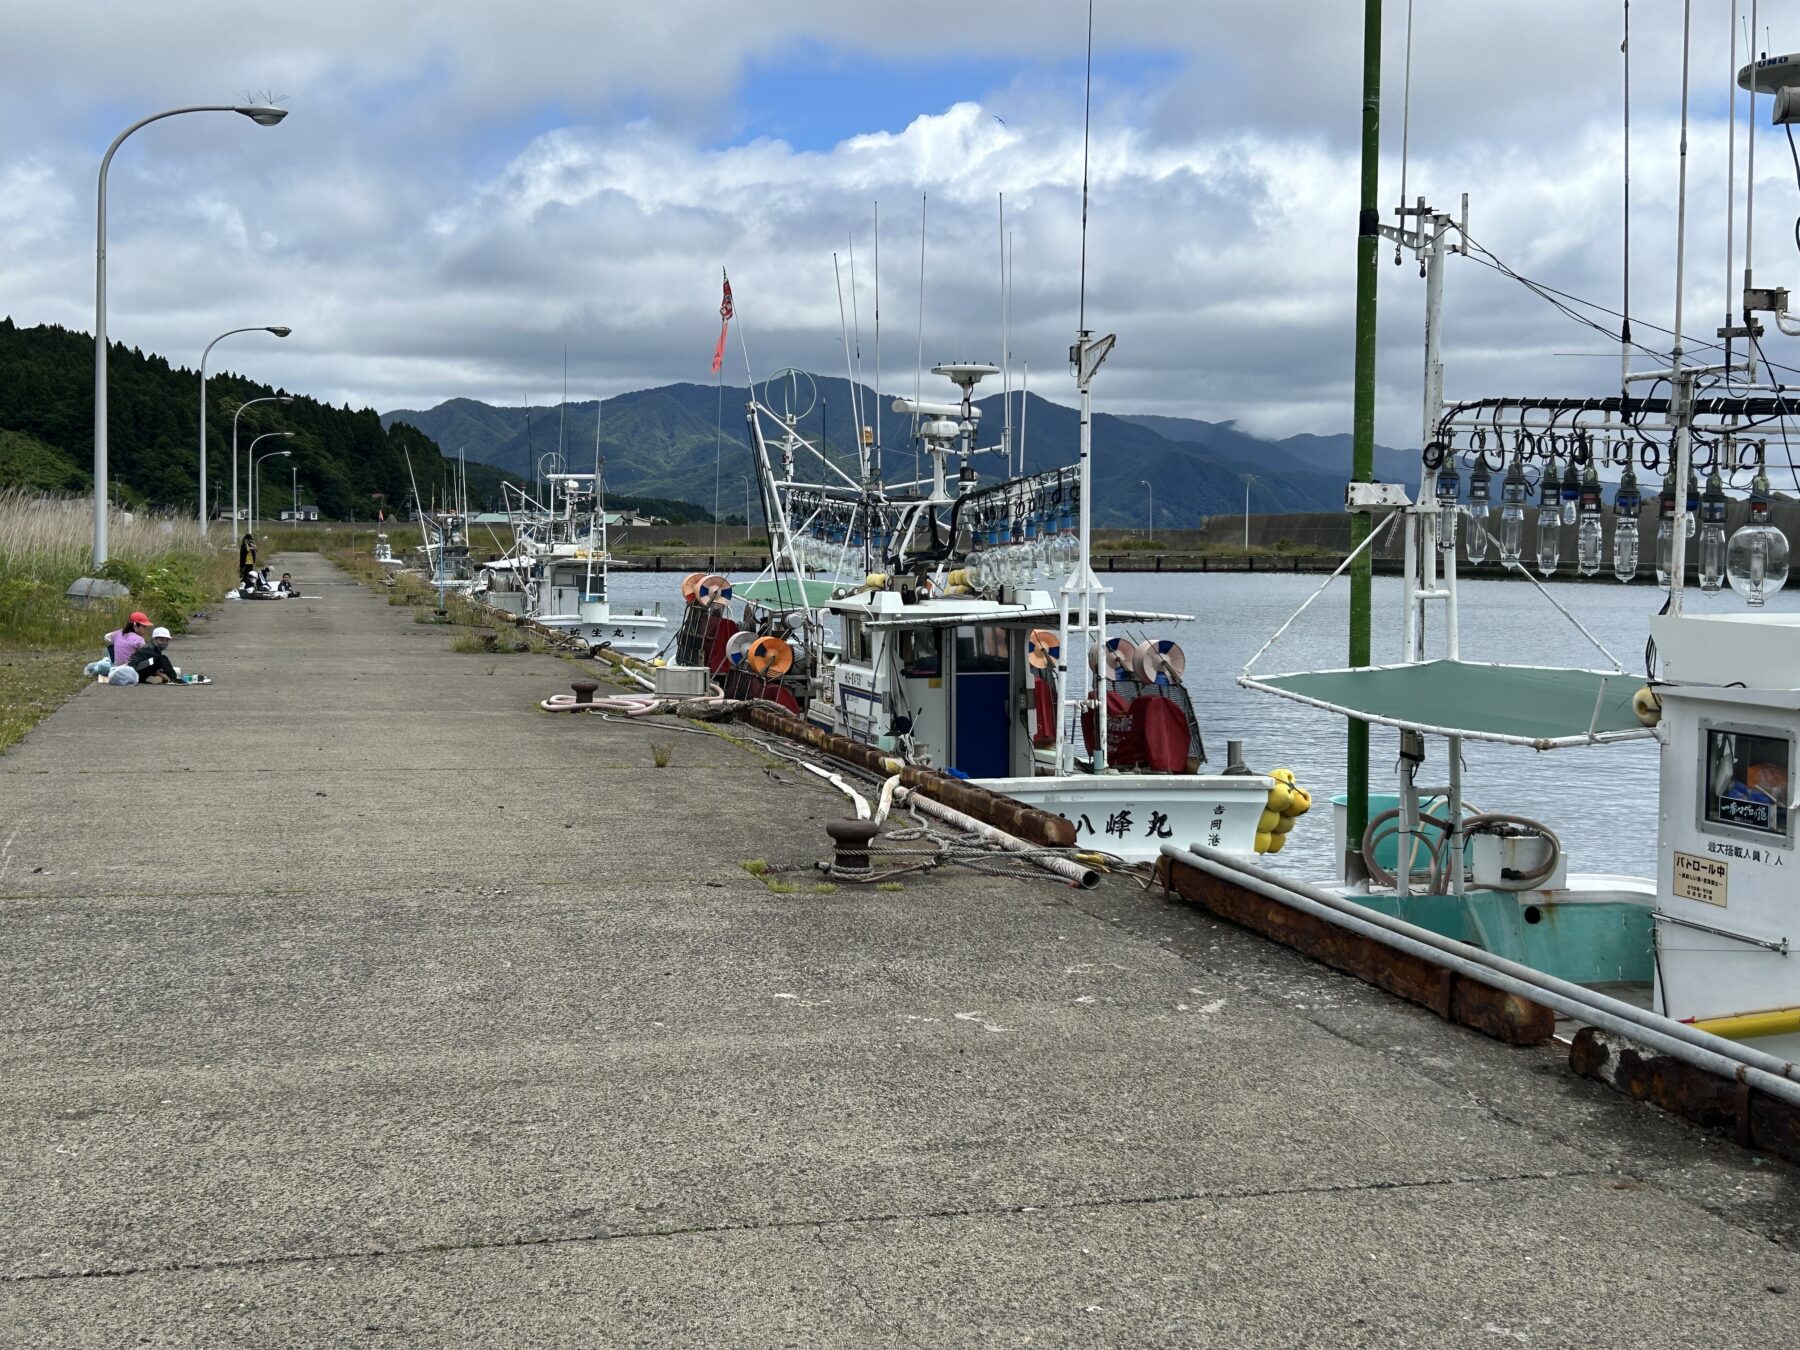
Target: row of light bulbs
(1014,542)
(1754,561)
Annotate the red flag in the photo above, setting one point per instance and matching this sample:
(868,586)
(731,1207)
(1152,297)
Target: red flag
(724,323)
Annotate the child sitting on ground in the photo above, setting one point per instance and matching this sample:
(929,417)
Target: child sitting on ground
(151,661)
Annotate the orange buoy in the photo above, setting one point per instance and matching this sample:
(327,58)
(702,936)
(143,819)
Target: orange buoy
(1043,648)
(690,586)
(769,657)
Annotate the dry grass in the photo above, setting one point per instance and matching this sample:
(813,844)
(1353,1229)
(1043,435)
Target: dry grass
(45,544)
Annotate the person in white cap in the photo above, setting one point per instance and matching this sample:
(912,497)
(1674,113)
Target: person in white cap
(152,662)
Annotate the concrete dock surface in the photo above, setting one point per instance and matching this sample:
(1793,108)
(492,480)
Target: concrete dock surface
(351,1000)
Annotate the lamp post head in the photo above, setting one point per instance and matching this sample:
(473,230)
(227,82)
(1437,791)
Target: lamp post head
(280,330)
(263,114)
(284,398)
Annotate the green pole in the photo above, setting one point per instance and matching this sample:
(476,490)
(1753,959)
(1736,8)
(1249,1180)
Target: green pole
(1356,759)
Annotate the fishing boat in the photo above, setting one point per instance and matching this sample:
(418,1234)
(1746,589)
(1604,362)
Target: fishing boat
(962,627)
(555,572)
(1707,939)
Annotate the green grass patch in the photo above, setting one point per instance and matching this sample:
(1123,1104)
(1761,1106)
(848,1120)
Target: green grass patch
(756,867)
(46,542)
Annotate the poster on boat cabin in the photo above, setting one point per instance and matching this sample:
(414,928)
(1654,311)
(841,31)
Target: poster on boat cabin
(1702,879)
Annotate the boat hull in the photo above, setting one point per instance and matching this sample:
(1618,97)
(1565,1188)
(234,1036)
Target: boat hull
(1133,815)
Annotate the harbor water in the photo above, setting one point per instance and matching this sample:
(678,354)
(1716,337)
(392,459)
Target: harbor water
(1601,800)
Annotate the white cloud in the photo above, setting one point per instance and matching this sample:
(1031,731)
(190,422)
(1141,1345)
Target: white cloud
(431,230)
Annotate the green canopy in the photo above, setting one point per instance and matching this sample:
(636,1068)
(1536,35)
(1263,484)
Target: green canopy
(785,593)
(1520,705)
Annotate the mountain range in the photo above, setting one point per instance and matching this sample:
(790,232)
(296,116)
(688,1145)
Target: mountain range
(667,441)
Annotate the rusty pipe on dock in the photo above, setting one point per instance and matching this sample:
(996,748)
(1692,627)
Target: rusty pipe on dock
(1666,1037)
(1027,823)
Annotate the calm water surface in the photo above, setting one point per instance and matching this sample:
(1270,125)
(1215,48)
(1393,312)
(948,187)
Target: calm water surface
(1601,800)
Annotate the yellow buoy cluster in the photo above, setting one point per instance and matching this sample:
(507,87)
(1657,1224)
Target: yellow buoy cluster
(1288,801)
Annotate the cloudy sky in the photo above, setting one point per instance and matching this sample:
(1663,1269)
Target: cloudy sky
(464,189)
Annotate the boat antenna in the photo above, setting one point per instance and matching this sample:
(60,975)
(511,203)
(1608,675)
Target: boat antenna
(1750,164)
(562,409)
(1730,185)
(1405,129)
(849,365)
(878,414)
(1087,116)
(1005,352)
(856,391)
(1625,307)
(919,367)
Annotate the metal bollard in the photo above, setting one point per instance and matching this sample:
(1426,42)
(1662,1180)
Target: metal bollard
(852,838)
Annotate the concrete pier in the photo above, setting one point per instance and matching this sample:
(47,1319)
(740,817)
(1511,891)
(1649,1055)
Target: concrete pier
(352,1000)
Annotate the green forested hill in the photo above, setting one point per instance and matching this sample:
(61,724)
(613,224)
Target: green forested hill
(349,463)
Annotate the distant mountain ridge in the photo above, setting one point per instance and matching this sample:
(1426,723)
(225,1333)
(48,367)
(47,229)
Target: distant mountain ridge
(664,441)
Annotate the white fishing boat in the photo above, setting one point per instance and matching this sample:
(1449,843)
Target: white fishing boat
(555,572)
(963,628)
(1707,939)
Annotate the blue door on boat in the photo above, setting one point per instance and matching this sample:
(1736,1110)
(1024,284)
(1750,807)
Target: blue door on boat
(982,722)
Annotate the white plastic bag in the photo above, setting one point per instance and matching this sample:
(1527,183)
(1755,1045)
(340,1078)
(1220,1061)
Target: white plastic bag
(101,667)
(122,675)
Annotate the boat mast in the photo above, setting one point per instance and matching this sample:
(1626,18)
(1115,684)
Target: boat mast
(1356,758)
(1081,588)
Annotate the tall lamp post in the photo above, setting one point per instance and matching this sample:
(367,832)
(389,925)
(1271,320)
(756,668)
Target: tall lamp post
(1150,516)
(279,330)
(1248,478)
(264,115)
(272,398)
(294,523)
(256,464)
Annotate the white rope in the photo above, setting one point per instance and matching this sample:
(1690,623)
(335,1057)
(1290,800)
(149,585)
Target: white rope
(1373,535)
(1526,573)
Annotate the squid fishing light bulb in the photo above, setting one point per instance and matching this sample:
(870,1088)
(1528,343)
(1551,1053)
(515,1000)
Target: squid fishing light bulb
(1756,563)
(1480,495)
(1449,488)
(1549,520)
(1627,503)
(1513,490)
(1712,535)
(1665,529)
(1590,534)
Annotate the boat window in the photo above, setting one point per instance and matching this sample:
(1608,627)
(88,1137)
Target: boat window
(1745,782)
(856,640)
(919,655)
(983,649)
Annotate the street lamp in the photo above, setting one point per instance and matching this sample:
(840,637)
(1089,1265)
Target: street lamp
(272,398)
(1248,478)
(1150,519)
(264,115)
(279,330)
(256,465)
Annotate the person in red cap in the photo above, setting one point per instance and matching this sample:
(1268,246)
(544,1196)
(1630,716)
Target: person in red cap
(123,643)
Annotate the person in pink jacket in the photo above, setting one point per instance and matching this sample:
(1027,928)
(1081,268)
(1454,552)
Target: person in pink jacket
(123,644)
